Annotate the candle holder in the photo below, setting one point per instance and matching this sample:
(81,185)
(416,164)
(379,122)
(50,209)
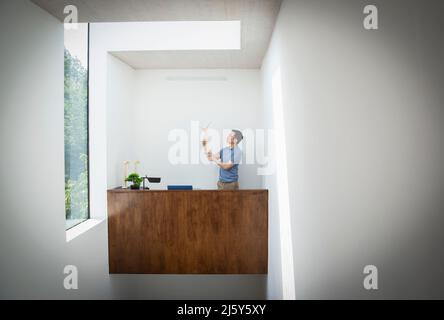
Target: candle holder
(125,174)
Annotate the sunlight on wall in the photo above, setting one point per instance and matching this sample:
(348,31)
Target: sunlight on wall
(282,186)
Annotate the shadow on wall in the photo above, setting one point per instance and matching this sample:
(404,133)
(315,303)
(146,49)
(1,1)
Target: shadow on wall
(194,287)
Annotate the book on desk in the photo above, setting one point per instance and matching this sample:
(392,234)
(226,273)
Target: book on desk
(179,187)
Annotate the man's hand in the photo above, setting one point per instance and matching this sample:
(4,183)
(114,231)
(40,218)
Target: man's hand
(213,156)
(216,159)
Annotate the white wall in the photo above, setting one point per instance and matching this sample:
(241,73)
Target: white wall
(275,279)
(31,124)
(120,98)
(162,105)
(33,246)
(364,125)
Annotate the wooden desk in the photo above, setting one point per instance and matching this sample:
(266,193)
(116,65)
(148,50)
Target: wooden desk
(188,232)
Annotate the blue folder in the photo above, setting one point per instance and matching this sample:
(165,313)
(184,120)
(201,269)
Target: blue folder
(177,187)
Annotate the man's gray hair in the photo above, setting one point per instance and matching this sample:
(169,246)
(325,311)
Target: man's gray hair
(238,135)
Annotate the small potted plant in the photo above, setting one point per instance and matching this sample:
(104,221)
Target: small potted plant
(135,179)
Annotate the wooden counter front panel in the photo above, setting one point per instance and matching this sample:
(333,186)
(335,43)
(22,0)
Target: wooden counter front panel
(188,232)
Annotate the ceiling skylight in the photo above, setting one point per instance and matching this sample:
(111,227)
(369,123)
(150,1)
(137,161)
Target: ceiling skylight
(172,35)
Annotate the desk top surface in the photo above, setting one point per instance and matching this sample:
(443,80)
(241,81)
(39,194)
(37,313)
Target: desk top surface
(121,190)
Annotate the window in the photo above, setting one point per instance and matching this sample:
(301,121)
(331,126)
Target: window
(76,125)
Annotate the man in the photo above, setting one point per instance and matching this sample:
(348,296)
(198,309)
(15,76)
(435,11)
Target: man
(228,160)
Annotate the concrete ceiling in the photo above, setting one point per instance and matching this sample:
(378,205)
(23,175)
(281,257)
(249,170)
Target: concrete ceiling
(257,22)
